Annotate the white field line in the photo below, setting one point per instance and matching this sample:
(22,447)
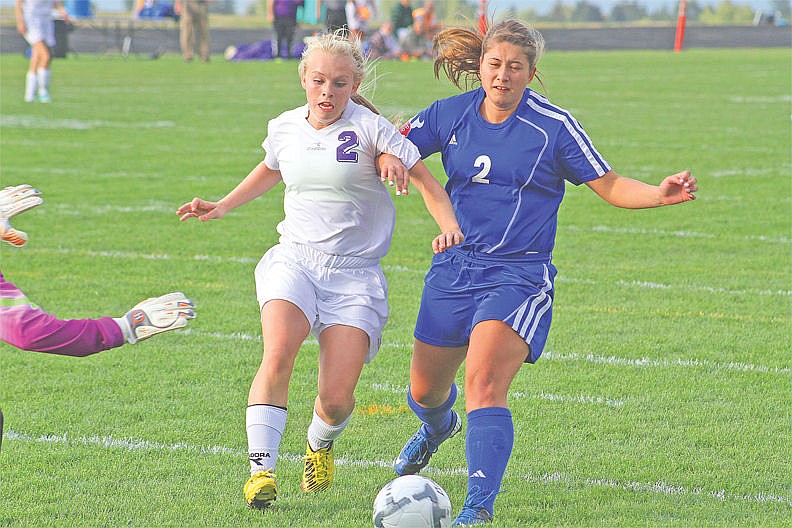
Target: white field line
(519,395)
(26,121)
(556,356)
(132,255)
(659,487)
(665,363)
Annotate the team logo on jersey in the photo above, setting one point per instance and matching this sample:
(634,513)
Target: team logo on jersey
(453,140)
(415,122)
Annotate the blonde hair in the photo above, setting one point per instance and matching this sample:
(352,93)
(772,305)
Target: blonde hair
(338,44)
(459,51)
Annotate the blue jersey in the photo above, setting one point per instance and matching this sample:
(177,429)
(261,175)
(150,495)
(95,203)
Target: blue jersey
(506,180)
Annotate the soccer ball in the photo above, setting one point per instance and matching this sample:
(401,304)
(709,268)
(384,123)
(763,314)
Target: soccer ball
(412,501)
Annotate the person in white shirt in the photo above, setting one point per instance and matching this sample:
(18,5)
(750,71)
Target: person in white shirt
(34,22)
(324,275)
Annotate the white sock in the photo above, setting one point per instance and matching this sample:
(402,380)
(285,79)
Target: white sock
(31,85)
(265,426)
(43,75)
(321,434)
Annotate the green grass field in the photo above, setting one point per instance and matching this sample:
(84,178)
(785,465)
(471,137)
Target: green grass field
(663,396)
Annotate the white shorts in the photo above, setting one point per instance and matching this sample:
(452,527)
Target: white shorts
(330,290)
(40,28)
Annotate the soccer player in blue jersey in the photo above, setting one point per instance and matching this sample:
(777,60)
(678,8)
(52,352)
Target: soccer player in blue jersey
(508,152)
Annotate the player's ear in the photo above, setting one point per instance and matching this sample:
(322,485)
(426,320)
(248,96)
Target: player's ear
(533,73)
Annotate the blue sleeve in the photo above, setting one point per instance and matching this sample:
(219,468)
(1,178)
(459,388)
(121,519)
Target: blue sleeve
(578,160)
(423,131)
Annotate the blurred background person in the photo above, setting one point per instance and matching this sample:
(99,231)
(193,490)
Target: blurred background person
(283,15)
(402,18)
(193,28)
(335,14)
(359,13)
(35,23)
(383,43)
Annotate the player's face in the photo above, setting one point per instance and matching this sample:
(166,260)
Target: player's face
(329,82)
(505,73)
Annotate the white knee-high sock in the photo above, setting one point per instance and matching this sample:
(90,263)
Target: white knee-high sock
(265,425)
(43,75)
(31,85)
(321,434)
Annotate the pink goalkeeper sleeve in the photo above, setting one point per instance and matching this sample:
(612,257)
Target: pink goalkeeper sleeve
(26,326)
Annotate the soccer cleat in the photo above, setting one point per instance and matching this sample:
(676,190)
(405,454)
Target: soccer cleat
(472,516)
(318,469)
(44,98)
(474,510)
(261,490)
(155,315)
(419,449)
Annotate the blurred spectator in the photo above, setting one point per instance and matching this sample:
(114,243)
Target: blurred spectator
(193,28)
(335,14)
(358,13)
(283,15)
(417,42)
(402,18)
(383,44)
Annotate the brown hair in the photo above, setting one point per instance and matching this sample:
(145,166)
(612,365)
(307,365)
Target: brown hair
(459,51)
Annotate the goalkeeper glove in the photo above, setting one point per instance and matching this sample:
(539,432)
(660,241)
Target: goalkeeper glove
(156,315)
(13,201)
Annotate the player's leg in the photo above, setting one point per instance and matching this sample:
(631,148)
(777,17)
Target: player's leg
(342,353)
(186,35)
(284,327)
(495,355)
(431,397)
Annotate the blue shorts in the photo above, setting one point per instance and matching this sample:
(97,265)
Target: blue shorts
(462,289)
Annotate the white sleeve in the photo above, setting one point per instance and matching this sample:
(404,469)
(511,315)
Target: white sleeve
(390,141)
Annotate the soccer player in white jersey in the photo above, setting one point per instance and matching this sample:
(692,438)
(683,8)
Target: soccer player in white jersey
(507,152)
(324,275)
(34,22)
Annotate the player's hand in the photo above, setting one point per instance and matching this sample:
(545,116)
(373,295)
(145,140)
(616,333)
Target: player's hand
(393,171)
(13,201)
(157,315)
(201,209)
(678,188)
(447,240)
(16,200)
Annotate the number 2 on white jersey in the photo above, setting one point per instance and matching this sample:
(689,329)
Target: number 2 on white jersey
(485,164)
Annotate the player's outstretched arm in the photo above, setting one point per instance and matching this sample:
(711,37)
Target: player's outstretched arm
(156,315)
(633,194)
(260,180)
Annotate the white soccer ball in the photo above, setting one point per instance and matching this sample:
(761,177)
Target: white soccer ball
(412,501)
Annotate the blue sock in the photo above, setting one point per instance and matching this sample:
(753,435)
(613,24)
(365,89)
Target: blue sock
(436,419)
(488,446)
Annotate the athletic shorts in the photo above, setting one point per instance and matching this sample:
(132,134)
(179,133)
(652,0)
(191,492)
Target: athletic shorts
(463,288)
(329,289)
(40,28)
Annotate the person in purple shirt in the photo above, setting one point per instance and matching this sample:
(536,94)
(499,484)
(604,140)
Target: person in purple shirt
(283,15)
(28,327)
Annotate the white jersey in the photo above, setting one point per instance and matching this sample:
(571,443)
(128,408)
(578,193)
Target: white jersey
(38,7)
(335,202)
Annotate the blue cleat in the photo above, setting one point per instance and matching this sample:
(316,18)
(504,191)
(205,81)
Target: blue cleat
(420,447)
(473,511)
